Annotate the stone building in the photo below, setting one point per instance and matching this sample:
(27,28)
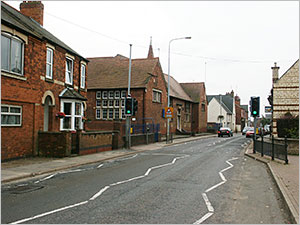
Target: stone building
(285,93)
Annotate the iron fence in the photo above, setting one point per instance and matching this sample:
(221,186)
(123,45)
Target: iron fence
(274,150)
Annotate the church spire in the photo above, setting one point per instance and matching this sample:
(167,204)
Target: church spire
(150,52)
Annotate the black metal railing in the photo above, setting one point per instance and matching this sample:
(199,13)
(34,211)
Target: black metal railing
(274,150)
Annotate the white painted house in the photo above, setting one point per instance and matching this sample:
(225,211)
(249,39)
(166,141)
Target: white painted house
(221,110)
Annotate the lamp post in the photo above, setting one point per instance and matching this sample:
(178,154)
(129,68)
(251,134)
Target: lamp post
(168,119)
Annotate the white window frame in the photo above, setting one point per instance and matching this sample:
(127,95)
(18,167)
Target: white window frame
(11,114)
(98,95)
(82,76)
(72,116)
(111,95)
(96,115)
(156,96)
(104,95)
(50,64)
(117,94)
(123,94)
(13,38)
(69,73)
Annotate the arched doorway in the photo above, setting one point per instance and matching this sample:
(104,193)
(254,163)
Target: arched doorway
(48,114)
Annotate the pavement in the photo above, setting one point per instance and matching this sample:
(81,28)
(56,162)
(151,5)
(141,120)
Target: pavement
(286,176)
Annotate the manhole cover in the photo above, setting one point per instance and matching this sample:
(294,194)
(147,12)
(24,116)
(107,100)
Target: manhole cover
(25,188)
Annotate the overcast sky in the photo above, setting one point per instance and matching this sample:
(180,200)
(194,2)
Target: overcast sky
(233,47)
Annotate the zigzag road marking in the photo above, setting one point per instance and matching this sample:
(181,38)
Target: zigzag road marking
(206,200)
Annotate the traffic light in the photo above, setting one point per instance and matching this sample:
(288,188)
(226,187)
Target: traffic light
(135,106)
(255,106)
(128,106)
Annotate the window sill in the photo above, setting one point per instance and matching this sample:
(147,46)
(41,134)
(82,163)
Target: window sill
(11,75)
(49,80)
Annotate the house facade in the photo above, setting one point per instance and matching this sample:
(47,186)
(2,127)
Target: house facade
(285,93)
(221,111)
(108,87)
(182,108)
(43,81)
(197,92)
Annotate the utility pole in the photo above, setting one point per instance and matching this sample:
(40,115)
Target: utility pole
(128,117)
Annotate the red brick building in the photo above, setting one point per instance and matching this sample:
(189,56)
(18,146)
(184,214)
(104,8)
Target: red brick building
(41,79)
(108,86)
(197,92)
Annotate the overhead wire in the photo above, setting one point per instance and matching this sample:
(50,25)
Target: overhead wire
(174,53)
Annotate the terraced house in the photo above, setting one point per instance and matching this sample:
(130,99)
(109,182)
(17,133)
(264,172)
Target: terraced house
(43,81)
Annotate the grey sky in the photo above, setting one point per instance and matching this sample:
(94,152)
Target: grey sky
(238,40)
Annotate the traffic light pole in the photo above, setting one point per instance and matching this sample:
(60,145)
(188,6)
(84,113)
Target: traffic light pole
(128,117)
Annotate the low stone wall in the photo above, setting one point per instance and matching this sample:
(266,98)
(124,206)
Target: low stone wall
(141,139)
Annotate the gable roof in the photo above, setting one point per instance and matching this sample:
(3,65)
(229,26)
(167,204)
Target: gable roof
(176,90)
(14,18)
(112,72)
(286,72)
(225,100)
(193,90)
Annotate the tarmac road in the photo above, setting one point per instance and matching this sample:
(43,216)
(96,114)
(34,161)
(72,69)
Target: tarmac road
(203,181)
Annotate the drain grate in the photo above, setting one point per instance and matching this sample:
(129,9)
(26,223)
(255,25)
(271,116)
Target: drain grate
(25,189)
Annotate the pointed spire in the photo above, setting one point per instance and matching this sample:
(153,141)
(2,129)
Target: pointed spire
(150,52)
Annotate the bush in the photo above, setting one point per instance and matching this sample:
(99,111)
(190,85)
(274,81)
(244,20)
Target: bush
(288,125)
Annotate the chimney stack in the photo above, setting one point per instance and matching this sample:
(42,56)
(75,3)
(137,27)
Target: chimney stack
(275,69)
(33,9)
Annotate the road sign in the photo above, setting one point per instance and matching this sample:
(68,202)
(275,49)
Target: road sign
(169,112)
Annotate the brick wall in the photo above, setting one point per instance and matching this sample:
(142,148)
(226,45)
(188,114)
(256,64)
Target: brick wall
(92,142)
(54,144)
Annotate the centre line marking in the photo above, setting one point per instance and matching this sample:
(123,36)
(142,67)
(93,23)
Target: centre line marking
(99,193)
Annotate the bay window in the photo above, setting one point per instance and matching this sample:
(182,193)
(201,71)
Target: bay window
(74,113)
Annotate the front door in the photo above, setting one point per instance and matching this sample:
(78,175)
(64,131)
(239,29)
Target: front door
(47,109)
(179,119)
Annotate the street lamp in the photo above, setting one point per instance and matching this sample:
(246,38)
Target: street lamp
(168,119)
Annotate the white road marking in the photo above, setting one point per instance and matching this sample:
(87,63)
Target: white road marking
(99,193)
(207,202)
(48,213)
(99,166)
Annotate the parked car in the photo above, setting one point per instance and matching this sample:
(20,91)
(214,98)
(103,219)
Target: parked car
(250,132)
(245,130)
(225,131)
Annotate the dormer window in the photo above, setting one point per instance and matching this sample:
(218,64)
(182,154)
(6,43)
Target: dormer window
(12,52)
(69,71)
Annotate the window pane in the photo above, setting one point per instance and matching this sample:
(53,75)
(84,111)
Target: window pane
(82,76)
(111,113)
(77,108)
(98,113)
(67,108)
(5,50)
(77,123)
(67,123)
(98,103)
(98,94)
(117,113)
(4,109)
(104,113)
(15,110)
(16,56)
